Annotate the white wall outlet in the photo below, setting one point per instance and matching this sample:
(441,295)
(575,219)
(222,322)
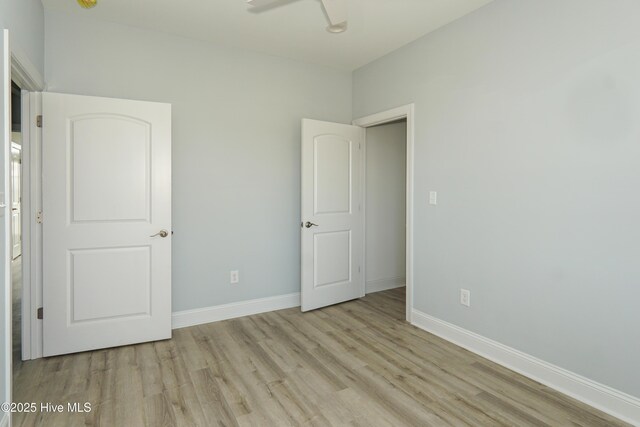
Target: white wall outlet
(234,276)
(465,297)
(433,197)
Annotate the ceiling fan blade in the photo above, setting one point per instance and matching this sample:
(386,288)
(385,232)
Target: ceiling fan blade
(336,11)
(260,3)
(258,6)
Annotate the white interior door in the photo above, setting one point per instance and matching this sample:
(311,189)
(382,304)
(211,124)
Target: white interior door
(16,206)
(332,220)
(106,185)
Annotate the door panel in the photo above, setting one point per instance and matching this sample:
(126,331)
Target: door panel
(331,200)
(106,192)
(333,172)
(99,278)
(110,168)
(333,258)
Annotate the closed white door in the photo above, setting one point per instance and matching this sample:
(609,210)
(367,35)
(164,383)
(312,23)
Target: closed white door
(332,220)
(16,208)
(106,185)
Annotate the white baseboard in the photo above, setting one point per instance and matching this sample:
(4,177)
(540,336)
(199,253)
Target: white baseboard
(384,284)
(4,421)
(602,397)
(183,319)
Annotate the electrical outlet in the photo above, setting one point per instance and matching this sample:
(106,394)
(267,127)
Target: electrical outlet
(234,276)
(465,297)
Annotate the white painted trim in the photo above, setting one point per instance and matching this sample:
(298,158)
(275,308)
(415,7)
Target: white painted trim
(383,117)
(385,284)
(27,76)
(602,397)
(4,421)
(183,319)
(363,211)
(6,219)
(25,213)
(408,112)
(24,73)
(32,240)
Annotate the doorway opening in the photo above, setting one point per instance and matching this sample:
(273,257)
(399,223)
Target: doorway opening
(16,223)
(385,209)
(388,190)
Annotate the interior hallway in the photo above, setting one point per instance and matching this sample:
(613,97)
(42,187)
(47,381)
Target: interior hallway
(356,363)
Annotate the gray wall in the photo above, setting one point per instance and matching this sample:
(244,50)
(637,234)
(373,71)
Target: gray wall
(527,124)
(25,21)
(386,205)
(236,145)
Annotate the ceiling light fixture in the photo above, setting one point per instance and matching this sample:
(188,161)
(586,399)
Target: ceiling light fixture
(87,4)
(337,28)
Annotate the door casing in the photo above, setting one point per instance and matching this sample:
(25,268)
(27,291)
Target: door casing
(17,148)
(27,76)
(5,126)
(399,113)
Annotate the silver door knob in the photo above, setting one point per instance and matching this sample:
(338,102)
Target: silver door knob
(310,224)
(161,233)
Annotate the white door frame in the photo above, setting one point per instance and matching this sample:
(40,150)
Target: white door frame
(5,137)
(18,147)
(31,226)
(399,113)
(27,76)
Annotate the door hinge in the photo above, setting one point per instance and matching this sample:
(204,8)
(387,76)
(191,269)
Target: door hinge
(40,313)
(39,121)
(39,217)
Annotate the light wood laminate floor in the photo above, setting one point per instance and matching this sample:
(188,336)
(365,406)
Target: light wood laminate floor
(356,364)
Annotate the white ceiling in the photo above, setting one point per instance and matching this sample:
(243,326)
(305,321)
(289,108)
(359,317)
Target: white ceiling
(293,29)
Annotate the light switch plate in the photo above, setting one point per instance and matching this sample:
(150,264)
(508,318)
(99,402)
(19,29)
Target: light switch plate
(465,297)
(433,197)
(234,277)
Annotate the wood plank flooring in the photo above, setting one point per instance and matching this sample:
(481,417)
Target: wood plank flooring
(354,364)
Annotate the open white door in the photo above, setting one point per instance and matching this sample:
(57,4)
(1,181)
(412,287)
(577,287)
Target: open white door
(106,185)
(332,220)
